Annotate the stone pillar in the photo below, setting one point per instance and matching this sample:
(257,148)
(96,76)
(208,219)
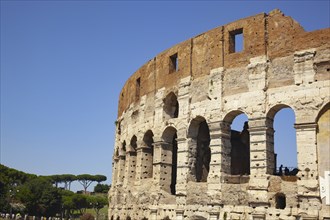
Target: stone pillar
(303,68)
(214,215)
(308,194)
(130,167)
(153,213)
(144,163)
(225,148)
(179,214)
(183,96)
(261,160)
(182,166)
(162,166)
(115,167)
(214,175)
(121,168)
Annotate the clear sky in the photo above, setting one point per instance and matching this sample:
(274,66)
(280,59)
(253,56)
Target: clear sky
(63,64)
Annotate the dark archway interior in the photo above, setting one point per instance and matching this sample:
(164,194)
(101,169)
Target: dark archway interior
(280,201)
(203,156)
(148,140)
(174,164)
(240,151)
(171,105)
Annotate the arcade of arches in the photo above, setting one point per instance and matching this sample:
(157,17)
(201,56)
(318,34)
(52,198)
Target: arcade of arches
(177,152)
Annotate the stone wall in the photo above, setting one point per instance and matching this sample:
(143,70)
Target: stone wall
(175,151)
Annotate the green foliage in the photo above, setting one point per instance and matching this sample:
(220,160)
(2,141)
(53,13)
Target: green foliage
(40,197)
(101,188)
(86,179)
(100,178)
(14,177)
(67,179)
(87,216)
(37,196)
(97,202)
(9,180)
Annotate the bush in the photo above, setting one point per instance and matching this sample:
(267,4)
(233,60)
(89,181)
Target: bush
(87,216)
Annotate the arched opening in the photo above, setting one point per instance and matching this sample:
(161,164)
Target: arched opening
(133,143)
(148,153)
(280,201)
(122,161)
(323,141)
(284,139)
(123,148)
(169,137)
(171,106)
(200,149)
(239,143)
(128,218)
(131,166)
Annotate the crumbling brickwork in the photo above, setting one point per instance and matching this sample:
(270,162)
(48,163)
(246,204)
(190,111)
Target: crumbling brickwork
(176,155)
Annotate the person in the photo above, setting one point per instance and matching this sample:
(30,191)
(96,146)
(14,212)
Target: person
(280,172)
(286,171)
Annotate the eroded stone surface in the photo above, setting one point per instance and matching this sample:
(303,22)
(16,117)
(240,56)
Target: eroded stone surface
(175,153)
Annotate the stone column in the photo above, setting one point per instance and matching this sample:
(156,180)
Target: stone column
(308,194)
(144,163)
(115,167)
(121,168)
(153,213)
(261,160)
(182,170)
(225,148)
(130,167)
(214,215)
(179,214)
(162,166)
(214,175)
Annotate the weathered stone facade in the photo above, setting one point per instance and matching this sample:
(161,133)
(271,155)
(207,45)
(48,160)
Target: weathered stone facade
(175,152)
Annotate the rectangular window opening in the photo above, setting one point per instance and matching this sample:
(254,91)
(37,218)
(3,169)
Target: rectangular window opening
(174,63)
(236,41)
(138,86)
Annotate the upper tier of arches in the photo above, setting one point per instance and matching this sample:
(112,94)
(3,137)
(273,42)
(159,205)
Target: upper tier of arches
(272,35)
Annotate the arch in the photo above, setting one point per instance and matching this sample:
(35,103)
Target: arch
(230,116)
(123,148)
(168,134)
(240,145)
(133,143)
(148,139)
(200,153)
(276,108)
(130,163)
(169,137)
(236,143)
(325,108)
(323,141)
(122,161)
(171,106)
(280,201)
(116,152)
(147,155)
(282,139)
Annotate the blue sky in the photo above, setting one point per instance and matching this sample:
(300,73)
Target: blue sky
(63,64)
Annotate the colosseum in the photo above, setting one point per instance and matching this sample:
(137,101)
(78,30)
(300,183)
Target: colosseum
(175,154)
